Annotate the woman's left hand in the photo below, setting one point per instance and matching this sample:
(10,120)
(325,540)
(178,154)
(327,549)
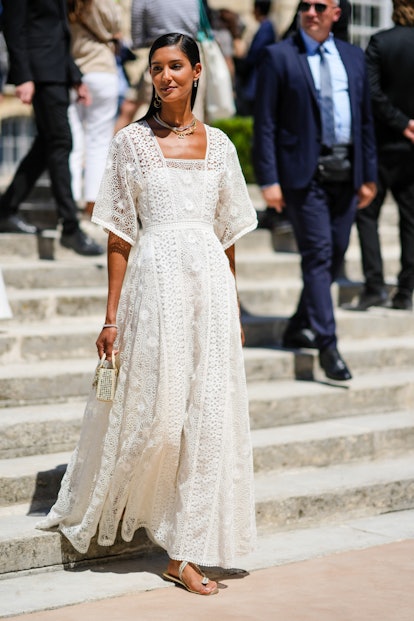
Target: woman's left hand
(105,343)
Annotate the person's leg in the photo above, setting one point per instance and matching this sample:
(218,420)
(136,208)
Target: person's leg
(99,129)
(25,177)
(51,102)
(76,114)
(309,213)
(402,187)
(51,108)
(367,226)
(28,172)
(343,201)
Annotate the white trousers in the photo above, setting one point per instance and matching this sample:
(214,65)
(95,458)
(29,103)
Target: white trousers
(92,131)
(5,310)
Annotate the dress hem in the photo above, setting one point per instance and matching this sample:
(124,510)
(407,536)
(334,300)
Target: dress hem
(189,558)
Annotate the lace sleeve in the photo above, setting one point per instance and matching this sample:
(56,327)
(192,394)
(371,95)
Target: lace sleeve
(116,205)
(235,214)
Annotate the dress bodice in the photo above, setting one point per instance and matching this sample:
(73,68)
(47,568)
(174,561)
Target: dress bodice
(163,192)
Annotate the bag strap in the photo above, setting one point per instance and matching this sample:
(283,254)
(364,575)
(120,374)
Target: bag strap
(205,31)
(103,360)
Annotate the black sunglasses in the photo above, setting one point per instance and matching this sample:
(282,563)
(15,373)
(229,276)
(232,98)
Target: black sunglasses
(304,7)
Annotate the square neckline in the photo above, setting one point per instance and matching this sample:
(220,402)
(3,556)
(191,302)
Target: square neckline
(182,159)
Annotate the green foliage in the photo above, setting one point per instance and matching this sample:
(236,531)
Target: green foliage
(240,131)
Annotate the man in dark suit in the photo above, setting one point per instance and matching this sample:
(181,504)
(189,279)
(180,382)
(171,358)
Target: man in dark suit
(314,152)
(38,41)
(390,64)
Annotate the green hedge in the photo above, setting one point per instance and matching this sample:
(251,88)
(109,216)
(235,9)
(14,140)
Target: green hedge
(240,131)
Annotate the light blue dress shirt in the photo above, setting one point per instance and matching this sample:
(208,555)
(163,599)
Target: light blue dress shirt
(339,78)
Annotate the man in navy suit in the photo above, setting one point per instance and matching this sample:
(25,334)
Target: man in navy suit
(315,154)
(41,67)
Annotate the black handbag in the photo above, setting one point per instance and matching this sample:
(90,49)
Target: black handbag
(335,166)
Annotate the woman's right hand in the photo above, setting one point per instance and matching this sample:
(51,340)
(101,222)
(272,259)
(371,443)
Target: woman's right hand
(105,343)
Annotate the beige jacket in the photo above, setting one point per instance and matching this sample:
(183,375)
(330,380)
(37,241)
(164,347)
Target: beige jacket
(92,47)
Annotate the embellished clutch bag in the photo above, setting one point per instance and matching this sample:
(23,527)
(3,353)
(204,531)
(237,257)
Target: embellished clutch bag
(105,379)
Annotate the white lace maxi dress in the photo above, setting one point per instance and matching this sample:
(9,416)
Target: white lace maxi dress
(174,448)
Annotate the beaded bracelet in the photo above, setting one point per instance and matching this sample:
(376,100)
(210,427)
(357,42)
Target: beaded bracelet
(109,325)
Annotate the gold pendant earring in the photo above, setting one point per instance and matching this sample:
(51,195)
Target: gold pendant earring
(157,101)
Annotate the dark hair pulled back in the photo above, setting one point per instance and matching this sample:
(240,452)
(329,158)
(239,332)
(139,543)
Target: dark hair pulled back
(189,48)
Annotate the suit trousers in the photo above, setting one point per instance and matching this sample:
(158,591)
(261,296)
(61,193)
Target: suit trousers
(322,216)
(395,173)
(50,151)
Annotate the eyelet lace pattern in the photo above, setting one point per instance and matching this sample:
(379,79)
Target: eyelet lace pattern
(172,453)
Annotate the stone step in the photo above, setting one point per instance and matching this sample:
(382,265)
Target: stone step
(36,479)
(364,356)
(40,211)
(314,495)
(15,247)
(21,246)
(40,429)
(74,337)
(261,266)
(267,241)
(23,548)
(44,304)
(36,304)
(72,270)
(336,441)
(267,330)
(24,593)
(274,295)
(49,422)
(273,404)
(288,499)
(270,296)
(43,380)
(69,337)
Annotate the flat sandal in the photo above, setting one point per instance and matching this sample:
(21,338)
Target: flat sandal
(181,582)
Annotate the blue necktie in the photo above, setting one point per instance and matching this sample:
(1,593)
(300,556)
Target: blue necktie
(326,101)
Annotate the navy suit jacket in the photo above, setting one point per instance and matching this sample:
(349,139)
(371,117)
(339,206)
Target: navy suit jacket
(38,40)
(287,128)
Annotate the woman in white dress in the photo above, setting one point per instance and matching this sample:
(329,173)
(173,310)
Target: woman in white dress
(172,452)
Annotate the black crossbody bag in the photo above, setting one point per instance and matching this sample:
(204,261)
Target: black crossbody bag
(335,166)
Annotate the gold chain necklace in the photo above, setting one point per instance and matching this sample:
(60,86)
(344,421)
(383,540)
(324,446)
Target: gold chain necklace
(181,132)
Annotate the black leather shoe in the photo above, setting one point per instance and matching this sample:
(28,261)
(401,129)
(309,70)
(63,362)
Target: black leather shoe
(334,366)
(16,224)
(81,243)
(300,338)
(366,300)
(401,302)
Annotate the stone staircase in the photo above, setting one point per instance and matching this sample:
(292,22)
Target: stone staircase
(325,454)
